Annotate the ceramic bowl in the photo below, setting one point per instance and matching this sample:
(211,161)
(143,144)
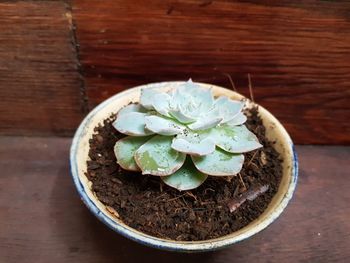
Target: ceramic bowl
(79,156)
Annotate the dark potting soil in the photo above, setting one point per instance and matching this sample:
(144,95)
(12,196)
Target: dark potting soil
(148,205)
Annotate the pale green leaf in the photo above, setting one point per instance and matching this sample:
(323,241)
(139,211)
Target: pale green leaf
(186,178)
(194,142)
(147,96)
(239,119)
(163,125)
(202,148)
(124,151)
(235,139)
(132,123)
(131,108)
(190,101)
(180,116)
(161,103)
(205,123)
(202,98)
(228,108)
(156,157)
(219,163)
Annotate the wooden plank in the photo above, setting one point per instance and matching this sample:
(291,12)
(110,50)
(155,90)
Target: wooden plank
(296,51)
(43,220)
(39,81)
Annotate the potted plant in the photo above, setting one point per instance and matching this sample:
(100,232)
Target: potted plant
(183,166)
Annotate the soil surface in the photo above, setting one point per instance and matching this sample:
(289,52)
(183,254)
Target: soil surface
(148,205)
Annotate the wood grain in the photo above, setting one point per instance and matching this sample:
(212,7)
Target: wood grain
(43,220)
(39,81)
(298,53)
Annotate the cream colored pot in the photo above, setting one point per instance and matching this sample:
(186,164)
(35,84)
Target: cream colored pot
(79,156)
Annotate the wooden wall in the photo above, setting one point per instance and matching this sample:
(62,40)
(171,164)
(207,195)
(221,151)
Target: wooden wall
(297,52)
(39,81)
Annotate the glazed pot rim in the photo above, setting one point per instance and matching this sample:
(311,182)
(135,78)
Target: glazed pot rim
(183,246)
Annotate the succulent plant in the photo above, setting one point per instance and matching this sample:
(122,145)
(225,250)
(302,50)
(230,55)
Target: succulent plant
(183,135)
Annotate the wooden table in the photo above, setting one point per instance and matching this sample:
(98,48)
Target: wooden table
(43,220)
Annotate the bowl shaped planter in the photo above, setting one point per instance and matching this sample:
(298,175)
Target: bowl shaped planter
(274,132)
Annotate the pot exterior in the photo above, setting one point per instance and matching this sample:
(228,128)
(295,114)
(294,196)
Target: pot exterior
(79,156)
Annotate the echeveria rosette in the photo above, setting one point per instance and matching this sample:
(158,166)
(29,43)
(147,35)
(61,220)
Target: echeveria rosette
(183,135)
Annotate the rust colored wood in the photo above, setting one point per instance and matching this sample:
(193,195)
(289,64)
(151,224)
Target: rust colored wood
(298,53)
(39,82)
(43,220)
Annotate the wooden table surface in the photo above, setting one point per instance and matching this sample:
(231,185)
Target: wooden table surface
(43,220)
